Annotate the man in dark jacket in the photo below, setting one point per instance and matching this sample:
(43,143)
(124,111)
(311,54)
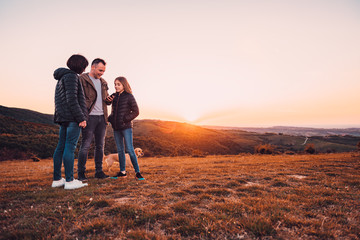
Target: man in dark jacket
(71,115)
(96,91)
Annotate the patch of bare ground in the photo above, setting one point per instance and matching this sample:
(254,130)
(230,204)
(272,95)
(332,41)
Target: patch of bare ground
(217,197)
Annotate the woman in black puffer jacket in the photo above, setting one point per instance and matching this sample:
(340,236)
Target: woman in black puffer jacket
(70,104)
(124,109)
(71,114)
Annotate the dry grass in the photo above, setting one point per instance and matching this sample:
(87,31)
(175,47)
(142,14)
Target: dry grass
(217,197)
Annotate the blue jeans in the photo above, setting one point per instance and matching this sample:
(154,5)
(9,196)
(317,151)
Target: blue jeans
(126,135)
(96,127)
(68,137)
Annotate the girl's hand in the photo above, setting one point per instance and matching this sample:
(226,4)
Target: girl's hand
(82,124)
(110,98)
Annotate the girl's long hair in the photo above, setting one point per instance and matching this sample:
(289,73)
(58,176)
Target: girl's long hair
(125,83)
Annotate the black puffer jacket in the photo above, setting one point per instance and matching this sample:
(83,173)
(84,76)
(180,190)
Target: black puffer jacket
(70,105)
(124,109)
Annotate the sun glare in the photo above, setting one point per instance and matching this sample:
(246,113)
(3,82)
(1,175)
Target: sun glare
(190,114)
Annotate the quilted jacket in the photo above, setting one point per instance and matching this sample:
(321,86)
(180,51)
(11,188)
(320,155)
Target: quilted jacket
(70,105)
(124,109)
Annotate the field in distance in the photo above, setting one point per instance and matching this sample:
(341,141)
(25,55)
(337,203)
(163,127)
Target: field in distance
(216,197)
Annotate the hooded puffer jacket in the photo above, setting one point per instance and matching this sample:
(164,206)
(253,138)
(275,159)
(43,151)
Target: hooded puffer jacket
(124,109)
(70,105)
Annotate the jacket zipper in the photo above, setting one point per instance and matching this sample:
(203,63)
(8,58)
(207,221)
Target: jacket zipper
(115,112)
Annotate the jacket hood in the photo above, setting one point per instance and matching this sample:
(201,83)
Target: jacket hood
(60,72)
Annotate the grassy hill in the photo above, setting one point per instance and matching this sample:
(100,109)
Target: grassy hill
(173,139)
(24,133)
(21,139)
(177,139)
(26,115)
(218,197)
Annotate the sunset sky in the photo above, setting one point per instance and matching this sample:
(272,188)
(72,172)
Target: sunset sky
(238,63)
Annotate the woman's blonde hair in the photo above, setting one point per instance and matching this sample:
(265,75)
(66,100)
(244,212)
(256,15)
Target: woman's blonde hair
(125,83)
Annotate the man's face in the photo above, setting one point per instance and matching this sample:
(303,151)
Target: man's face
(97,70)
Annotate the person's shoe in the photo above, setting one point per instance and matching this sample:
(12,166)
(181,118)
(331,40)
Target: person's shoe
(82,177)
(74,184)
(58,183)
(120,174)
(101,175)
(139,177)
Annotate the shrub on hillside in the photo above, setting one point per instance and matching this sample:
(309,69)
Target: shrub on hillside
(310,148)
(198,153)
(265,149)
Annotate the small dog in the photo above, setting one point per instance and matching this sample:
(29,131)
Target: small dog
(114,158)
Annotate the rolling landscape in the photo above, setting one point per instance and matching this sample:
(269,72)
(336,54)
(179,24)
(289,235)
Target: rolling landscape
(25,133)
(248,124)
(201,183)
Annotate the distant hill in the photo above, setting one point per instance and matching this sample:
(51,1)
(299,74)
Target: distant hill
(295,131)
(24,133)
(26,115)
(21,139)
(174,138)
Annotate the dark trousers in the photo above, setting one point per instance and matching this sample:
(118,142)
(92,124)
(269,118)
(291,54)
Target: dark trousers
(95,128)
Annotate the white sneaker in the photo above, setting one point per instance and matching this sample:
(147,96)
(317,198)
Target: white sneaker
(74,184)
(58,183)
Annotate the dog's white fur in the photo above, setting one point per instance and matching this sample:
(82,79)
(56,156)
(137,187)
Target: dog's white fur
(114,158)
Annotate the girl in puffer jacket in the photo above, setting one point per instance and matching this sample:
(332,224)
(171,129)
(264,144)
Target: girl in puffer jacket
(124,109)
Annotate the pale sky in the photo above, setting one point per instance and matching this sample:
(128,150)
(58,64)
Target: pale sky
(240,63)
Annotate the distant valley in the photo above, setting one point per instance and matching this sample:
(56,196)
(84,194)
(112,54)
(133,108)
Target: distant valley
(295,131)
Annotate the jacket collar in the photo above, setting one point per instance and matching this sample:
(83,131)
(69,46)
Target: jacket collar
(87,78)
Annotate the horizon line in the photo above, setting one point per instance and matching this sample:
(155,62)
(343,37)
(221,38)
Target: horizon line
(313,126)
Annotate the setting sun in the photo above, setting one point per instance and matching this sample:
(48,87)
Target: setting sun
(190,116)
(250,64)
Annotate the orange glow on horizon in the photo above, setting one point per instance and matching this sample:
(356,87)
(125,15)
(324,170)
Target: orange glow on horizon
(255,64)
